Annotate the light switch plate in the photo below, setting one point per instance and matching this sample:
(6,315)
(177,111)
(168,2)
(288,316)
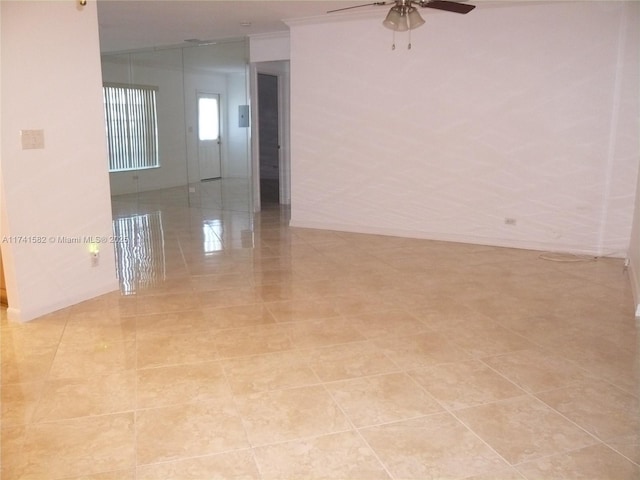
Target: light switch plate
(32,139)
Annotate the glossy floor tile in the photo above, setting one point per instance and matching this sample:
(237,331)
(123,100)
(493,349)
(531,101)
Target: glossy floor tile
(238,347)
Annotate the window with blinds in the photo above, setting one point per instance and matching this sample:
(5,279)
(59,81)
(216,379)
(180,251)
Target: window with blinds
(132,127)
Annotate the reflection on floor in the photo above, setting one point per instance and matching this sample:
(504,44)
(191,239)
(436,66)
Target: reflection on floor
(242,348)
(219,207)
(230,194)
(269,191)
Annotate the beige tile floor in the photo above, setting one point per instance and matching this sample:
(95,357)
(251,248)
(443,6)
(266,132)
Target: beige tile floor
(242,348)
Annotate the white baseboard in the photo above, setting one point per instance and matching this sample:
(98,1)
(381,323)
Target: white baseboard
(469,239)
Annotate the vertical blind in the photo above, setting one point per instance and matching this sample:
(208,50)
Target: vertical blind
(132,126)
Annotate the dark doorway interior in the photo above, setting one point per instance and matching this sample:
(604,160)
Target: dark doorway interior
(269,139)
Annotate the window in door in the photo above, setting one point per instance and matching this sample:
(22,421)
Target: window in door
(208,118)
(209,140)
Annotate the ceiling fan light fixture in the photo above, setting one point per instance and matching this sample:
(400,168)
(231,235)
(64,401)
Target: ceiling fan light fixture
(414,19)
(396,20)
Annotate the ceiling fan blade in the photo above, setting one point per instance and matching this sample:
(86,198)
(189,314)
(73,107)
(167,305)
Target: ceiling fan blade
(357,6)
(449,6)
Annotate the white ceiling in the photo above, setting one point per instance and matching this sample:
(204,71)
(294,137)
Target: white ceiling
(138,24)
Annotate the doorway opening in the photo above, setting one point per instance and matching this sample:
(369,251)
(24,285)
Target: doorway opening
(268,124)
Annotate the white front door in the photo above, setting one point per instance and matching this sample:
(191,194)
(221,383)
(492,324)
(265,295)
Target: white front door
(209,136)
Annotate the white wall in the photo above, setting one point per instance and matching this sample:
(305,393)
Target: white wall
(627,114)
(198,82)
(524,111)
(51,81)
(269,47)
(220,68)
(179,79)
(234,148)
(236,163)
(634,254)
(161,69)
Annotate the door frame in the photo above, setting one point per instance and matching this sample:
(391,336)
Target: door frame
(278,69)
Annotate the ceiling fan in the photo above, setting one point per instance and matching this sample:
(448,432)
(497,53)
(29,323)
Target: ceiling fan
(404,15)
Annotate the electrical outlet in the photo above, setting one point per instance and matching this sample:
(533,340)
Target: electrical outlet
(510,221)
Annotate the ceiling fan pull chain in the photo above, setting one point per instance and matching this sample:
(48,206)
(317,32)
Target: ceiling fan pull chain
(393,45)
(409,44)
